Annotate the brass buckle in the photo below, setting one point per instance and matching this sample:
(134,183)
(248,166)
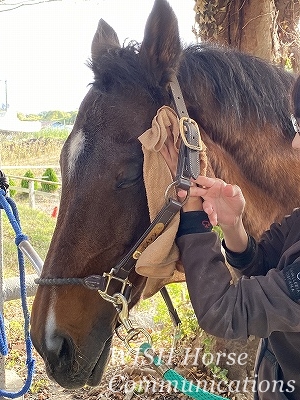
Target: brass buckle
(183,136)
(110,276)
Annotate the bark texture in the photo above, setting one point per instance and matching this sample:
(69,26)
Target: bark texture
(264,28)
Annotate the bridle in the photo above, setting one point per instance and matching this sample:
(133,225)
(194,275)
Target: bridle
(188,166)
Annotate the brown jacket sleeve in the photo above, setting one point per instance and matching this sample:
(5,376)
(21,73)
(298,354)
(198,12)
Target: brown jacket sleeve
(254,306)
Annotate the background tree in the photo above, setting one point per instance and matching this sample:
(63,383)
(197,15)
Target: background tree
(8,6)
(265,28)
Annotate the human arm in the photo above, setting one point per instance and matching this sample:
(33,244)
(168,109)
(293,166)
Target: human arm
(253,306)
(224,205)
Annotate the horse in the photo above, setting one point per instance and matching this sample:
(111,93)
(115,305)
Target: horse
(242,106)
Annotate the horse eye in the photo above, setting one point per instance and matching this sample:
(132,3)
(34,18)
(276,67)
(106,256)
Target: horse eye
(129,177)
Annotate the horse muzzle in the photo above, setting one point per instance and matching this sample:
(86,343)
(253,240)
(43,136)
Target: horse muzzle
(70,335)
(72,367)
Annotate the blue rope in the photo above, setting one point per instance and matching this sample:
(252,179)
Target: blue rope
(10,208)
(3,341)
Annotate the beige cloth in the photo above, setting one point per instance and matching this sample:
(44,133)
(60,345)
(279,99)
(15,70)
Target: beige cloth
(160,261)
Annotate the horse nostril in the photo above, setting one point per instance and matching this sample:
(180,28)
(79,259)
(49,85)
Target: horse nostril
(59,359)
(59,349)
(65,350)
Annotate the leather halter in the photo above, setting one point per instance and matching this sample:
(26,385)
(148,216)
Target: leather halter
(188,166)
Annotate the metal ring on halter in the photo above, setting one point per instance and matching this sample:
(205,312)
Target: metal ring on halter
(174,184)
(108,298)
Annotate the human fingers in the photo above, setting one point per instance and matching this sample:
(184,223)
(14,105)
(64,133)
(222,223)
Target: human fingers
(182,193)
(190,203)
(235,193)
(230,190)
(212,215)
(206,181)
(195,194)
(194,191)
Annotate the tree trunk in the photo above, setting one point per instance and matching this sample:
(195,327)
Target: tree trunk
(264,28)
(288,32)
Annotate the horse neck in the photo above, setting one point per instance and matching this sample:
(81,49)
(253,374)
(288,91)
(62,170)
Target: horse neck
(265,171)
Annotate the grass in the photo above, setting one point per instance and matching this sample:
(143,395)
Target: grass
(47,133)
(37,225)
(21,149)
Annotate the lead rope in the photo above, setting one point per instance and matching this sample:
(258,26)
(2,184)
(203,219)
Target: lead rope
(168,374)
(8,205)
(174,378)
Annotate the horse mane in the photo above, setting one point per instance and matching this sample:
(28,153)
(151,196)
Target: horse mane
(244,88)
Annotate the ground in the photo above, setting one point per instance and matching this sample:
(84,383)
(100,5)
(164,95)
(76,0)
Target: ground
(125,377)
(117,384)
(122,381)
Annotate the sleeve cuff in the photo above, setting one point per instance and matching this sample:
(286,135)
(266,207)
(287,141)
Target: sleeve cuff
(240,260)
(193,222)
(292,279)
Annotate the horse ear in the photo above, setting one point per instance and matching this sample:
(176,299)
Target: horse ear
(104,38)
(161,47)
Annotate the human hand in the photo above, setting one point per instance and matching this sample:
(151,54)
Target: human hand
(224,203)
(170,155)
(191,203)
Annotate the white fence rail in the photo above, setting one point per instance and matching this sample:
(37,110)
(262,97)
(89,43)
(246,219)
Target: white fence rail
(32,192)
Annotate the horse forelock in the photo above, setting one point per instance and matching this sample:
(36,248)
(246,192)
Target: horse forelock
(244,89)
(123,68)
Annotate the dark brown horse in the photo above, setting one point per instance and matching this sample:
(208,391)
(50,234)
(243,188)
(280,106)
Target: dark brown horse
(241,104)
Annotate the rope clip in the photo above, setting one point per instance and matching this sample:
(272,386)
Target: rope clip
(121,306)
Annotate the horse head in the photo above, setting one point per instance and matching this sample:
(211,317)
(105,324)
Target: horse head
(103,209)
(242,105)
